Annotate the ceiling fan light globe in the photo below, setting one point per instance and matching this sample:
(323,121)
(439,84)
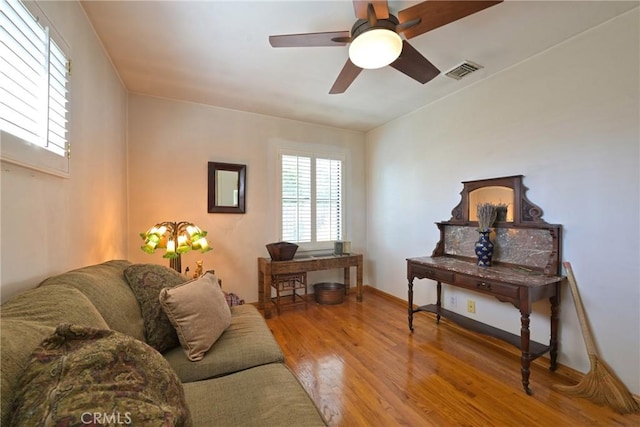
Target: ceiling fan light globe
(375,48)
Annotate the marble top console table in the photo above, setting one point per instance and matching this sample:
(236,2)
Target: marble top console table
(525,267)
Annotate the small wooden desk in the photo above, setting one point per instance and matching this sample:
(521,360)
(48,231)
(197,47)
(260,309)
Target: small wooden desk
(267,268)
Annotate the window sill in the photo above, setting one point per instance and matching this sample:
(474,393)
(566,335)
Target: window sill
(18,152)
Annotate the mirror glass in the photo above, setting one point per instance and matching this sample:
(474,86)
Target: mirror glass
(226,188)
(494,195)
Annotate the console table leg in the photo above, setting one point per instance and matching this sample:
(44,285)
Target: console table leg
(359,278)
(266,296)
(411,305)
(553,344)
(347,280)
(260,289)
(438,300)
(526,355)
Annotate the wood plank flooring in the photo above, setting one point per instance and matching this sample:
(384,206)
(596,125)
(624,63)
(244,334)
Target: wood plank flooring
(363,367)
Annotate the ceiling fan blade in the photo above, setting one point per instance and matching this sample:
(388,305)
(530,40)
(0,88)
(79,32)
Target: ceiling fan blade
(344,40)
(435,14)
(406,25)
(348,74)
(380,6)
(413,64)
(309,39)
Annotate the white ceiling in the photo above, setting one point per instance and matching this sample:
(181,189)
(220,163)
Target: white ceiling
(218,53)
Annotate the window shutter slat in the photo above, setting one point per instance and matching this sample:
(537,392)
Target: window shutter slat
(57,99)
(296,199)
(34,73)
(311,210)
(328,184)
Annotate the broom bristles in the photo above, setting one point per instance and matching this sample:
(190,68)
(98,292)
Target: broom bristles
(603,387)
(600,384)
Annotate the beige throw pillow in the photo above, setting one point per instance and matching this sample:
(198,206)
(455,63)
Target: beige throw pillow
(199,312)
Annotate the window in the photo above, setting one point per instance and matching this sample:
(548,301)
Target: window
(33,94)
(312,191)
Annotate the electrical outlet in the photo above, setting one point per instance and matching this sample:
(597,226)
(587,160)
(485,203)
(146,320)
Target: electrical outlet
(453,301)
(471,306)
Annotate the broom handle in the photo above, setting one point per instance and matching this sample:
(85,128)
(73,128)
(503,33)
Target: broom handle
(582,316)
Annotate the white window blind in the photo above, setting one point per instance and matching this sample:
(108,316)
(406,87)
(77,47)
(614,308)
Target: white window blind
(311,199)
(34,90)
(296,199)
(328,200)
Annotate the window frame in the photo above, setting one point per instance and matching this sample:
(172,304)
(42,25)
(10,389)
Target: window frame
(314,152)
(19,151)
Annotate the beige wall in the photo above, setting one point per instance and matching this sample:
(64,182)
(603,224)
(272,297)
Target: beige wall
(568,120)
(170,144)
(52,224)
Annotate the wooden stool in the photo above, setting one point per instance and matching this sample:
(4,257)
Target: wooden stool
(291,282)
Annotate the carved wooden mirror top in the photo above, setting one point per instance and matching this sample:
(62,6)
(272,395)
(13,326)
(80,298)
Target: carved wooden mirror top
(522,238)
(507,190)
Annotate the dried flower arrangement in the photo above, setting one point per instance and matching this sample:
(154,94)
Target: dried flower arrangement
(486,216)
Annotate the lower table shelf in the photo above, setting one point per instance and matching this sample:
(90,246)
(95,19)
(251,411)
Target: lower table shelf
(289,301)
(536,349)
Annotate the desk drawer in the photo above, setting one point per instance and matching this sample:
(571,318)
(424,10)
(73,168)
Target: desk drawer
(427,272)
(493,288)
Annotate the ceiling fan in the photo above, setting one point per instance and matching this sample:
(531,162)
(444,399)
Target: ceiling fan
(375,37)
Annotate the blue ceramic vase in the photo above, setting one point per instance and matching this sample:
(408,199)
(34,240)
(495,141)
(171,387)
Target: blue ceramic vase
(484,249)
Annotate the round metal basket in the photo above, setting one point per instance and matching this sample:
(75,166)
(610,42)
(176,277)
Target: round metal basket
(329,293)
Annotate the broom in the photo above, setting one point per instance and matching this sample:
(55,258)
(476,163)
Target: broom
(600,384)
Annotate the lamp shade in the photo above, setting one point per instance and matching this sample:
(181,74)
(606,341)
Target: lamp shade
(375,48)
(176,238)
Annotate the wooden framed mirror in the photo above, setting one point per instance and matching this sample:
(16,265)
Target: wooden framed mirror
(226,188)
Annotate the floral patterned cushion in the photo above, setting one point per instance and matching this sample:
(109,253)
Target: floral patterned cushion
(80,373)
(146,281)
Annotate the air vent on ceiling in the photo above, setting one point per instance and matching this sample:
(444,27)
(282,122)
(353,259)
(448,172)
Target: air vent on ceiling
(463,70)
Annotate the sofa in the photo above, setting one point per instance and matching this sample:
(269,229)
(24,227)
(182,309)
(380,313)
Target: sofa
(87,332)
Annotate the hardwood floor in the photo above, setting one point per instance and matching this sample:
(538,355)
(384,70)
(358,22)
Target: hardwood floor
(363,367)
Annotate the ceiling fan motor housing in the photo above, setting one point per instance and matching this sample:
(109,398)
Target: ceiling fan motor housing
(363,25)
